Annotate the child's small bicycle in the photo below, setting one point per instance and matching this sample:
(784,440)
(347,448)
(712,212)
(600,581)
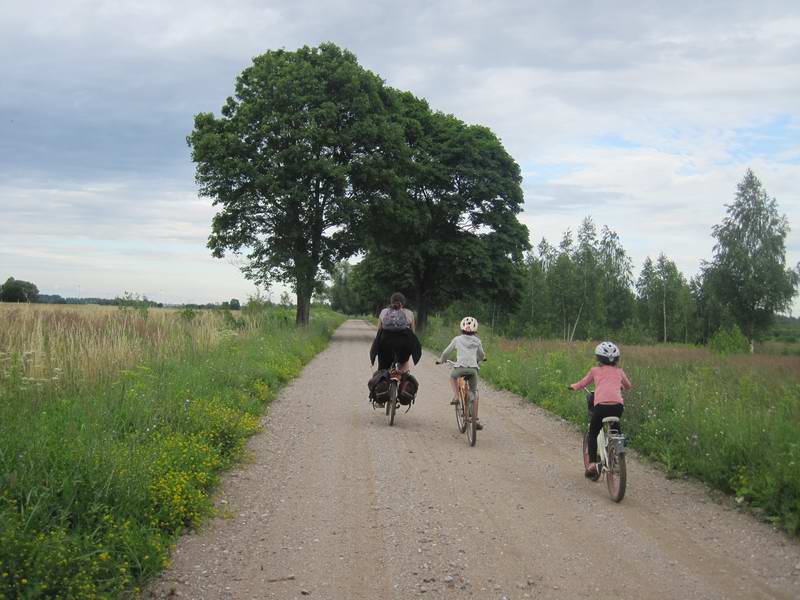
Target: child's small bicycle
(465,408)
(611,451)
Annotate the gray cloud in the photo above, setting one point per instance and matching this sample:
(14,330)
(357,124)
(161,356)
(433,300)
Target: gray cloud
(99,97)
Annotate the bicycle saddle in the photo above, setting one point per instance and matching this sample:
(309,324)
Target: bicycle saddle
(611,420)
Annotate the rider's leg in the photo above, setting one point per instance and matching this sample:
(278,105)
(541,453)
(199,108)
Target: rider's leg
(595,425)
(385,355)
(454,386)
(403,349)
(472,379)
(600,412)
(471,375)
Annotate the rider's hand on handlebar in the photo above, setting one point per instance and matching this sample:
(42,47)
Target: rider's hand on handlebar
(569,387)
(438,362)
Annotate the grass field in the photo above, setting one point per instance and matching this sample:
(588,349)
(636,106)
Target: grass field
(732,421)
(114,427)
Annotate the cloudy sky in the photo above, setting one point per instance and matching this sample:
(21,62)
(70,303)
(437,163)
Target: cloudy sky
(644,115)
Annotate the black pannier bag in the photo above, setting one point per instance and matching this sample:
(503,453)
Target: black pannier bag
(408,389)
(379,386)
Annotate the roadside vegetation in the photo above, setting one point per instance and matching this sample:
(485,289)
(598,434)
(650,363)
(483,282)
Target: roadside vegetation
(114,427)
(732,421)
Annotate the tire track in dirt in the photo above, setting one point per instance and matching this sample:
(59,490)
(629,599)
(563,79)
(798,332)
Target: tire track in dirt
(336,504)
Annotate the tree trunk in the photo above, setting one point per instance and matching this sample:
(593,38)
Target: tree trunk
(664,308)
(422,311)
(578,318)
(304,291)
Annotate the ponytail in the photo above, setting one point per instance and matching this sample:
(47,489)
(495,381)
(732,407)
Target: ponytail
(397,301)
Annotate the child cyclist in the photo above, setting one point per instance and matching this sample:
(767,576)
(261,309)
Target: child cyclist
(608,380)
(469,353)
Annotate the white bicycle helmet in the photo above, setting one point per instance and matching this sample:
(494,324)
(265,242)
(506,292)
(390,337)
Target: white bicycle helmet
(469,324)
(607,350)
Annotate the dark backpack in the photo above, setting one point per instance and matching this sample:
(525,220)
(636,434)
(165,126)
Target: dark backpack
(407,391)
(379,386)
(395,319)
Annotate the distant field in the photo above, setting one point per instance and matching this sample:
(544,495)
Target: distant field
(74,346)
(778,347)
(731,421)
(114,426)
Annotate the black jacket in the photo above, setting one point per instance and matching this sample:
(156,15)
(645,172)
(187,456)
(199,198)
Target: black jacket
(416,352)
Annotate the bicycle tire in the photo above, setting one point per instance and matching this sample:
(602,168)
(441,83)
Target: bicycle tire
(616,477)
(461,417)
(472,424)
(392,401)
(586,462)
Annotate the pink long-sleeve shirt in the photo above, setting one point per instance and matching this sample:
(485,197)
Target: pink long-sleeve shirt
(608,381)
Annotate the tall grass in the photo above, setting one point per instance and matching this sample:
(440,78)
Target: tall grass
(732,421)
(105,459)
(80,346)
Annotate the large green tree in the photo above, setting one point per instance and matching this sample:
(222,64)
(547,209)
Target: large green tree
(293,151)
(749,272)
(447,227)
(17,290)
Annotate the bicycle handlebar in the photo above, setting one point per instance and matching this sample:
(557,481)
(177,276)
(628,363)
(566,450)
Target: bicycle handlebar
(451,362)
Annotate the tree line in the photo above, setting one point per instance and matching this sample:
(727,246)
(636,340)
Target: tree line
(584,286)
(315,160)
(18,290)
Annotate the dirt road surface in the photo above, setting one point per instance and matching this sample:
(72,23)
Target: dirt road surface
(335,504)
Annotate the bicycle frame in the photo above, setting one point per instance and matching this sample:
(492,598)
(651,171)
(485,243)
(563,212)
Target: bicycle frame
(607,438)
(467,400)
(611,453)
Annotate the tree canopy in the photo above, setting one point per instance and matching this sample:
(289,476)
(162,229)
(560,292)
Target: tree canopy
(17,290)
(448,226)
(314,159)
(287,158)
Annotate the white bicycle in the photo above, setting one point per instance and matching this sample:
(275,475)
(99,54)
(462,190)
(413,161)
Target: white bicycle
(611,451)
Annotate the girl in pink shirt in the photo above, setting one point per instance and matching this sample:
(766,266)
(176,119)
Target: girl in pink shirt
(609,380)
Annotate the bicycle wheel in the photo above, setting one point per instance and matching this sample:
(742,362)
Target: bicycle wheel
(586,462)
(461,420)
(472,424)
(616,475)
(392,405)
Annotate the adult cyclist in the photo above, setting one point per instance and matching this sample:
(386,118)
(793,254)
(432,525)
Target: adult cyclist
(396,339)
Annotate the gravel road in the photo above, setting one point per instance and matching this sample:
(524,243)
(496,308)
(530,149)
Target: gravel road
(335,504)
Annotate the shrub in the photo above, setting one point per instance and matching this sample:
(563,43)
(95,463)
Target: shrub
(729,340)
